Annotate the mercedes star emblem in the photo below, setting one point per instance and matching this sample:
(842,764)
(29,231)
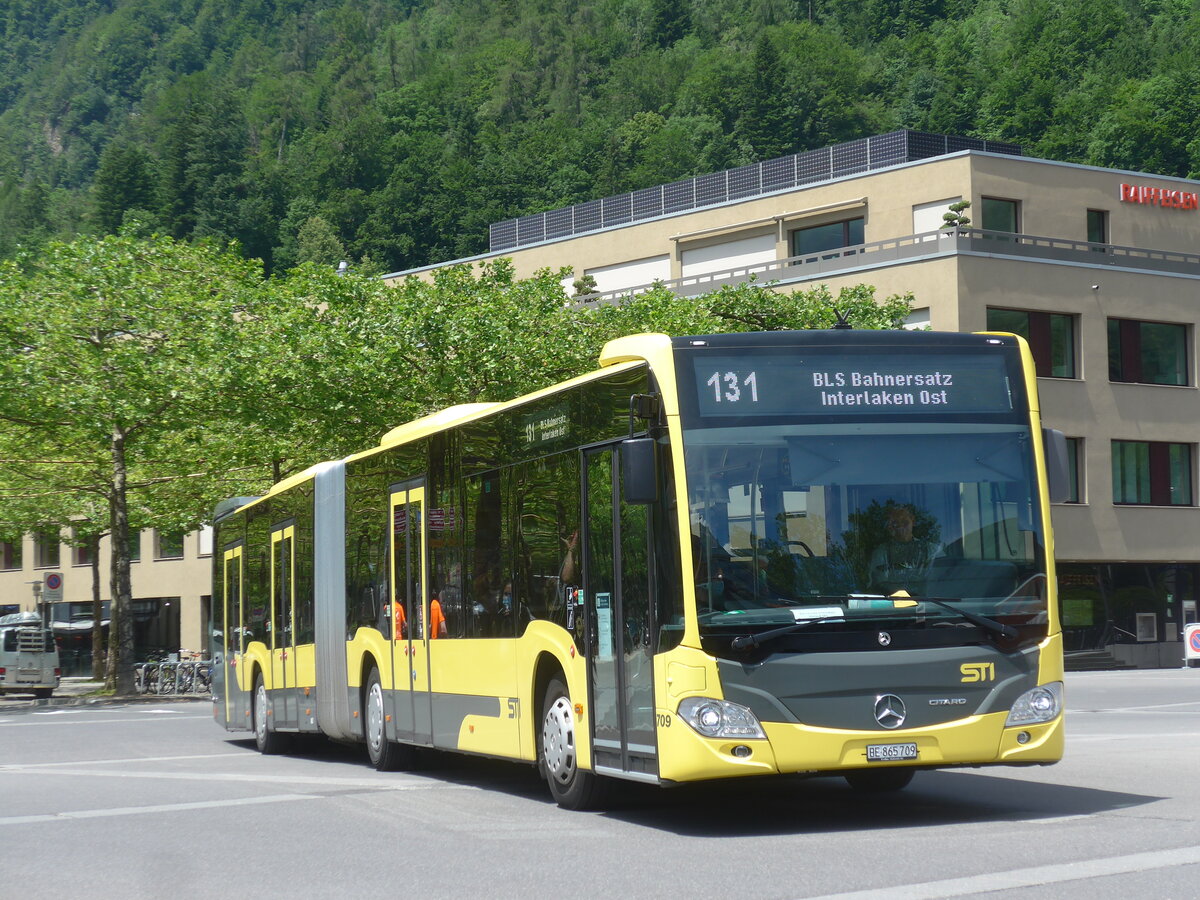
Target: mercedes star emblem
(889,711)
(884,638)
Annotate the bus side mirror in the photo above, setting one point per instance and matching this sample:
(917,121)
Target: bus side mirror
(639,474)
(1058,473)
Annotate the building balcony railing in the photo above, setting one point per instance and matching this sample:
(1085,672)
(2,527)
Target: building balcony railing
(914,247)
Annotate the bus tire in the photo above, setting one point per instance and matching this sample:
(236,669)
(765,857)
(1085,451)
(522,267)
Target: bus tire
(44,693)
(268,742)
(385,755)
(880,781)
(558,757)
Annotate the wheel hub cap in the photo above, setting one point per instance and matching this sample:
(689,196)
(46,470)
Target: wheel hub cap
(558,740)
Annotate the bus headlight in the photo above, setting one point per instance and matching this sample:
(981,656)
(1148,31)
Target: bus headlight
(1041,704)
(720,718)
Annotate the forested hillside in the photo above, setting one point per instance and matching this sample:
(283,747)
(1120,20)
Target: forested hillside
(394,131)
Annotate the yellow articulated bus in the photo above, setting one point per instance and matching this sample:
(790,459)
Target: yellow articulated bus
(716,556)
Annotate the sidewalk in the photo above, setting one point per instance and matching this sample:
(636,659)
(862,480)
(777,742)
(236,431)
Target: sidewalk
(81,691)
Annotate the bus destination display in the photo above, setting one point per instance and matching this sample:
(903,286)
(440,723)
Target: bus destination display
(851,384)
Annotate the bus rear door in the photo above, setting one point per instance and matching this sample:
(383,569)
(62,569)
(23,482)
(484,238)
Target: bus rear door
(232,645)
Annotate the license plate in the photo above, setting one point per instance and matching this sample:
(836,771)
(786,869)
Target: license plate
(890,752)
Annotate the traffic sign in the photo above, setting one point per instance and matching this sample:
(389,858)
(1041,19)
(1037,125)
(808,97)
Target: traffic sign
(52,587)
(1191,641)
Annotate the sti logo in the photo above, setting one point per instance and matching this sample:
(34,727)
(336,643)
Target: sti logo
(973,672)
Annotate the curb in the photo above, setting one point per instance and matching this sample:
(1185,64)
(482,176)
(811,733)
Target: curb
(105,700)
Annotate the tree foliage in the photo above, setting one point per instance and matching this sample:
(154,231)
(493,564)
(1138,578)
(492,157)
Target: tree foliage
(159,376)
(408,126)
(120,348)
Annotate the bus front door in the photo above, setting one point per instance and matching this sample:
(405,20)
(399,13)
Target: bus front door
(410,643)
(616,586)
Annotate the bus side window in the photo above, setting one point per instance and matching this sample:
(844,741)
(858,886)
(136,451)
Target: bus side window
(548,532)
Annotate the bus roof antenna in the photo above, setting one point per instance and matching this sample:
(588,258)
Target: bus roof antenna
(843,319)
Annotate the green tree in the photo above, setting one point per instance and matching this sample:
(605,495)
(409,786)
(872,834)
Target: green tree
(125,349)
(765,121)
(125,180)
(317,242)
(669,21)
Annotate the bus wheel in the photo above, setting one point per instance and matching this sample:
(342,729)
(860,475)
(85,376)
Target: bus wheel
(44,693)
(385,755)
(880,781)
(558,752)
(267,741)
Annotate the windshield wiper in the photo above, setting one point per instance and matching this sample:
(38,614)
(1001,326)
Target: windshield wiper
(754,640)
(974,618)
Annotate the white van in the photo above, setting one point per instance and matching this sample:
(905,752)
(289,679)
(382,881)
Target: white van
(28,656)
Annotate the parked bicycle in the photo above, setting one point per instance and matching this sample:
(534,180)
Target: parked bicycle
(168,676)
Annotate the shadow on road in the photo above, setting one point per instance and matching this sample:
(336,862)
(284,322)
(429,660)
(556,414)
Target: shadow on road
(821,805)
(773,806)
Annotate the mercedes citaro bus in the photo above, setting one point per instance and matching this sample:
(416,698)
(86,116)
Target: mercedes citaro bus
(822,552)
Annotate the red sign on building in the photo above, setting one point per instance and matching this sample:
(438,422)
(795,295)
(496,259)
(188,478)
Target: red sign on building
(1164,197)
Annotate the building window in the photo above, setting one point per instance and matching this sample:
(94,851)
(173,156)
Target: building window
(46,550)
(168,545)
(830,236)
(1097,226)
(1152,473)
(1147,352)
(1074,469)
(10,554)
(1051,338)
(1000,215)
(81,555)
(135,546)
(206,540)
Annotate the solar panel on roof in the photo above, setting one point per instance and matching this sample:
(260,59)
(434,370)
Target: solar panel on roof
(617,210)
(779,174)
(808,167)
(679,195)
(647,203)
(711,189)
(745,182)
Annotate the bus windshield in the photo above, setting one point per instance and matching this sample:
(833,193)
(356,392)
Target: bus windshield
(804,521)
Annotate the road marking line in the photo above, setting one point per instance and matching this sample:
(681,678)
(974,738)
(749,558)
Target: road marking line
(131,759)
(374,784)
(1139,736)
(42,722)
(1056,820)
(994,882)
(143,810)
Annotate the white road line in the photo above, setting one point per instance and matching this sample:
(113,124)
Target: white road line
(121,762)
(1055,820)
(41,723)
(1139,736)
(1021,878)
(145,810)
(382,783)
(1130,709)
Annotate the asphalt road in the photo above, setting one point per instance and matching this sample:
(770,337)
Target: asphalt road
(152,800)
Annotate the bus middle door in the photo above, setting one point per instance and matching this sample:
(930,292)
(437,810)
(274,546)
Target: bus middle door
(286,705)
(410,647)
(616,577)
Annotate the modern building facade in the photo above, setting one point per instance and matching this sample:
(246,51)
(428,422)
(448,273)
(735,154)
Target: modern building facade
(1098,268)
